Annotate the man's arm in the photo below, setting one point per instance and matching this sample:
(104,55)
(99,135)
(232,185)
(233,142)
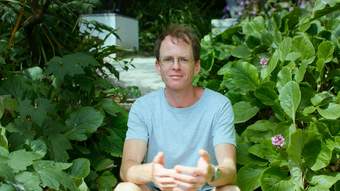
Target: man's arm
(132,169)
(226,158)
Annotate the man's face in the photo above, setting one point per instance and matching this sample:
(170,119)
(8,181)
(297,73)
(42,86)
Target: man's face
(176,63)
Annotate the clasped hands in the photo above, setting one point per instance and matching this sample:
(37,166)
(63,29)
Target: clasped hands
(181,178)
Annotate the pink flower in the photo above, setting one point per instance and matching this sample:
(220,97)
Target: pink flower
(264,61)
(278,140)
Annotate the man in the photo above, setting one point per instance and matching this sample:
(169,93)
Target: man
(181,137)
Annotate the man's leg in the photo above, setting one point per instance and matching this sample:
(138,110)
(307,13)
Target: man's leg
(228,188)
(128,186)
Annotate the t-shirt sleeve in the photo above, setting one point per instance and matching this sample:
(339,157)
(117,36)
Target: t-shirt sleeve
(223,130)
(137,128)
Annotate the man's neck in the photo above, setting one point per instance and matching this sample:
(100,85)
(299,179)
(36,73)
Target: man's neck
(183,98)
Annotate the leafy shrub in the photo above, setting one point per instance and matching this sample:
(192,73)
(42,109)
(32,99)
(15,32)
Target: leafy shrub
(59,128)
(282,76)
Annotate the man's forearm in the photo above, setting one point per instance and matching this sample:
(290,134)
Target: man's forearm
(223,175)
(136,173)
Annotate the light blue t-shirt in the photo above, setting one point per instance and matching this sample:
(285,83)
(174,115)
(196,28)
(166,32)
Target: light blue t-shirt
(181,132)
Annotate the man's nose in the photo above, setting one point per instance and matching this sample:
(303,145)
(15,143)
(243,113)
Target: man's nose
(176,64)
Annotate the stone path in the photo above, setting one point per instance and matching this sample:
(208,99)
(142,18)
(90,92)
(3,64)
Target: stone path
(143,75)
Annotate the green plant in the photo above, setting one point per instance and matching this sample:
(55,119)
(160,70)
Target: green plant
(282,76)
(59,128)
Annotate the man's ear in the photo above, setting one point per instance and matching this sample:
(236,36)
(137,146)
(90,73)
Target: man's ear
(197,67)
(157,66)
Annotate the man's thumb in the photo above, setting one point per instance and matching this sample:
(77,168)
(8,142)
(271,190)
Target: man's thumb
(159,158)
(204,155)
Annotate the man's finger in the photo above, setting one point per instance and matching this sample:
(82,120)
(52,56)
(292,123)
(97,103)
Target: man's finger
(193,171)
(159,158)
(204,155)
(189,179)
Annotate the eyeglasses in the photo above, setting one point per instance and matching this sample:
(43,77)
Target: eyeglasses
(169,61)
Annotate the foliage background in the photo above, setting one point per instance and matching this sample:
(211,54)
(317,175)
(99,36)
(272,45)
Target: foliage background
(61,127)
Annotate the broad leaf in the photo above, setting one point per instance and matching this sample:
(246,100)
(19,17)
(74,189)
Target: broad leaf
(59,67)
(59,144)
(264,150)
(331,112)
(38,111)
(325,51)
(266,93)
(304,46)
(30,181)
(80,168)
(240,76)
(249,177)
(285,75)
(240,52)
(262,129)
(324,181)
(325,155)
(83,123)
(110,106)
(276,178)
(290,97)
(284,48)
(244,111)
(52,175)
(295,144)
(7,187)
(21,159)
(106,181)
(321,98)
(39,147)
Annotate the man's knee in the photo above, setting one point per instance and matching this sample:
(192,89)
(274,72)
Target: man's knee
(228,188)
(127,186)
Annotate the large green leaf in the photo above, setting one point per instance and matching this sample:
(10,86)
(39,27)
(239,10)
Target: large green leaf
(106,181)
(324,182)
(19,160)
(304,46)
(255,27)
(266,93)
(249,176)
(240,76)
(244,111)
(325,155)
(80,168)
(241,52)
(284,48)
(110,106)
(39,147)
(83,123)
(60,67)
(59,144)
(284,75)
(295,144)
(30,181)
(7,187)
(38,111)
(260,130)
(276,178)
(331,112)
(51,174)
(321,98)
(264,150)
(326,50)
(290,97)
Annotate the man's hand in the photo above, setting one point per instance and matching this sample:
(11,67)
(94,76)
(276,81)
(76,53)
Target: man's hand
(163,178)
(192,178)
